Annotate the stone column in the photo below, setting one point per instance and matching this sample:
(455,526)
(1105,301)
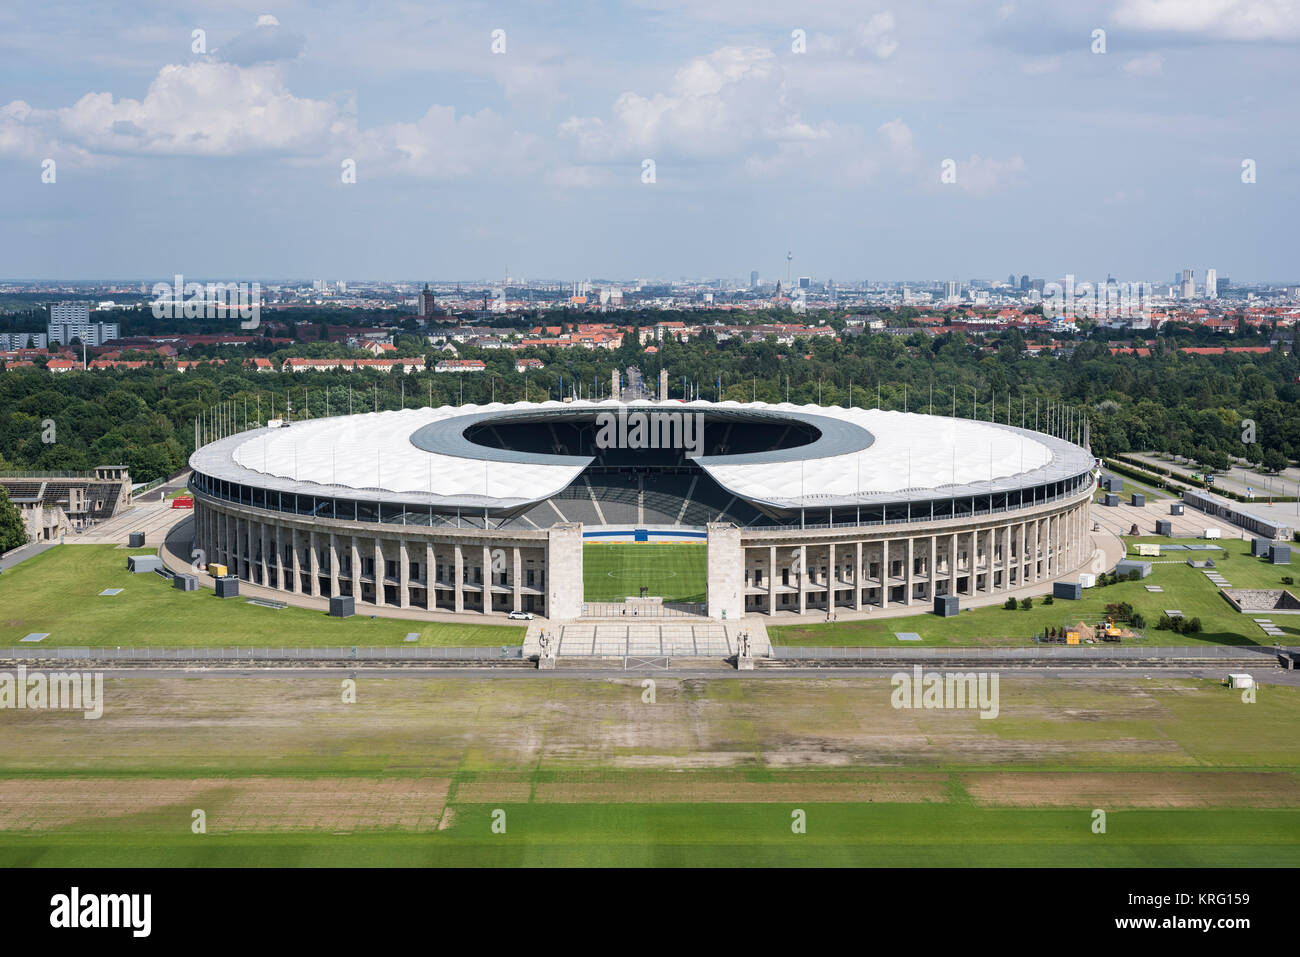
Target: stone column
(313,562)
(430,595)
(857,576)
(458,582)
(516,573)
(334,565)
(356,568)
(771,580)
(295,565)
(563,570)
(952,564)
(931,568)
(907,570)
(726,572)
(804,577)
(487,579)
(884,573)
(830,578)
(379,572)
(266,555)
(403,575)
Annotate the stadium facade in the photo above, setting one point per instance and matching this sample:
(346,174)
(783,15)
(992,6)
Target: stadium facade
(485,509)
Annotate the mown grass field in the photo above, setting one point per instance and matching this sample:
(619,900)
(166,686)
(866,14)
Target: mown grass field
(672,571)
(745,835)
(711,774)
(1185,589)
(58,592)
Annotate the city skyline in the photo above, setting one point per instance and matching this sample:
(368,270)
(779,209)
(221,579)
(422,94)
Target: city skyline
(825,130)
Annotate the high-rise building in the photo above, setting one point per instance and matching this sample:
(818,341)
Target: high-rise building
(1011,280)
(71,320)
(89,333)
(753,279)
(428,305)
(805,282)
(951,290)
(1211,284)
(70,311)
(1024,283)
(1189,284)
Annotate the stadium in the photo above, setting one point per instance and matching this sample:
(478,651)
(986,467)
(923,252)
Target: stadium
(486,509)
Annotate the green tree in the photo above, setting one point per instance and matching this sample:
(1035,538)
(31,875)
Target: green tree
(12,531)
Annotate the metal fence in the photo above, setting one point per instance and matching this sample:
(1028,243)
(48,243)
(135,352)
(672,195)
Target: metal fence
(787,653)
(497,653)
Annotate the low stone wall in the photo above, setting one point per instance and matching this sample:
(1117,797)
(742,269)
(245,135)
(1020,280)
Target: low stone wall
(1276,601)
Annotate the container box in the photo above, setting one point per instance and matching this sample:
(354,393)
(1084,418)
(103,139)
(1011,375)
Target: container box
(1128,565)
(1071,590)
(946,606)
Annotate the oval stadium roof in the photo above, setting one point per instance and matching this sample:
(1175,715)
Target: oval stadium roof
(862,455)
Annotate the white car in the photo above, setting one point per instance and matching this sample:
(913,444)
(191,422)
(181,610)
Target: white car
(521,615)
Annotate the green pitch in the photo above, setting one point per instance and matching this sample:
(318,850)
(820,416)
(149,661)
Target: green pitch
(673,572)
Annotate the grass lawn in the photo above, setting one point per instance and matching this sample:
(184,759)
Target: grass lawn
(58,592)
(718,835)
(587,773)
(1186,589)
(673,572)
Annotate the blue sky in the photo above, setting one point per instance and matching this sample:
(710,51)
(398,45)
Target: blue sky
(470,162)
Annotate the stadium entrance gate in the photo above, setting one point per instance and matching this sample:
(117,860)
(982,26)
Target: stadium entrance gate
(638,608)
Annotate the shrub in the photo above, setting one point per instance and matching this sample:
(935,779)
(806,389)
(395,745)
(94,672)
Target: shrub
(1135,575)
(1026,604)
(1288,580)
(1009,604)
(1193,626)
(1165,624)
(1138,622)
(1121,611)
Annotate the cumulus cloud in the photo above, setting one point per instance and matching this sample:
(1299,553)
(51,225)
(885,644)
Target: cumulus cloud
(876,36)
(267,42)
(1037,66)
(1213,19)
(1148,64)
(717,104)
(445,145)
(199,109)
(980,175)
(212,108)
